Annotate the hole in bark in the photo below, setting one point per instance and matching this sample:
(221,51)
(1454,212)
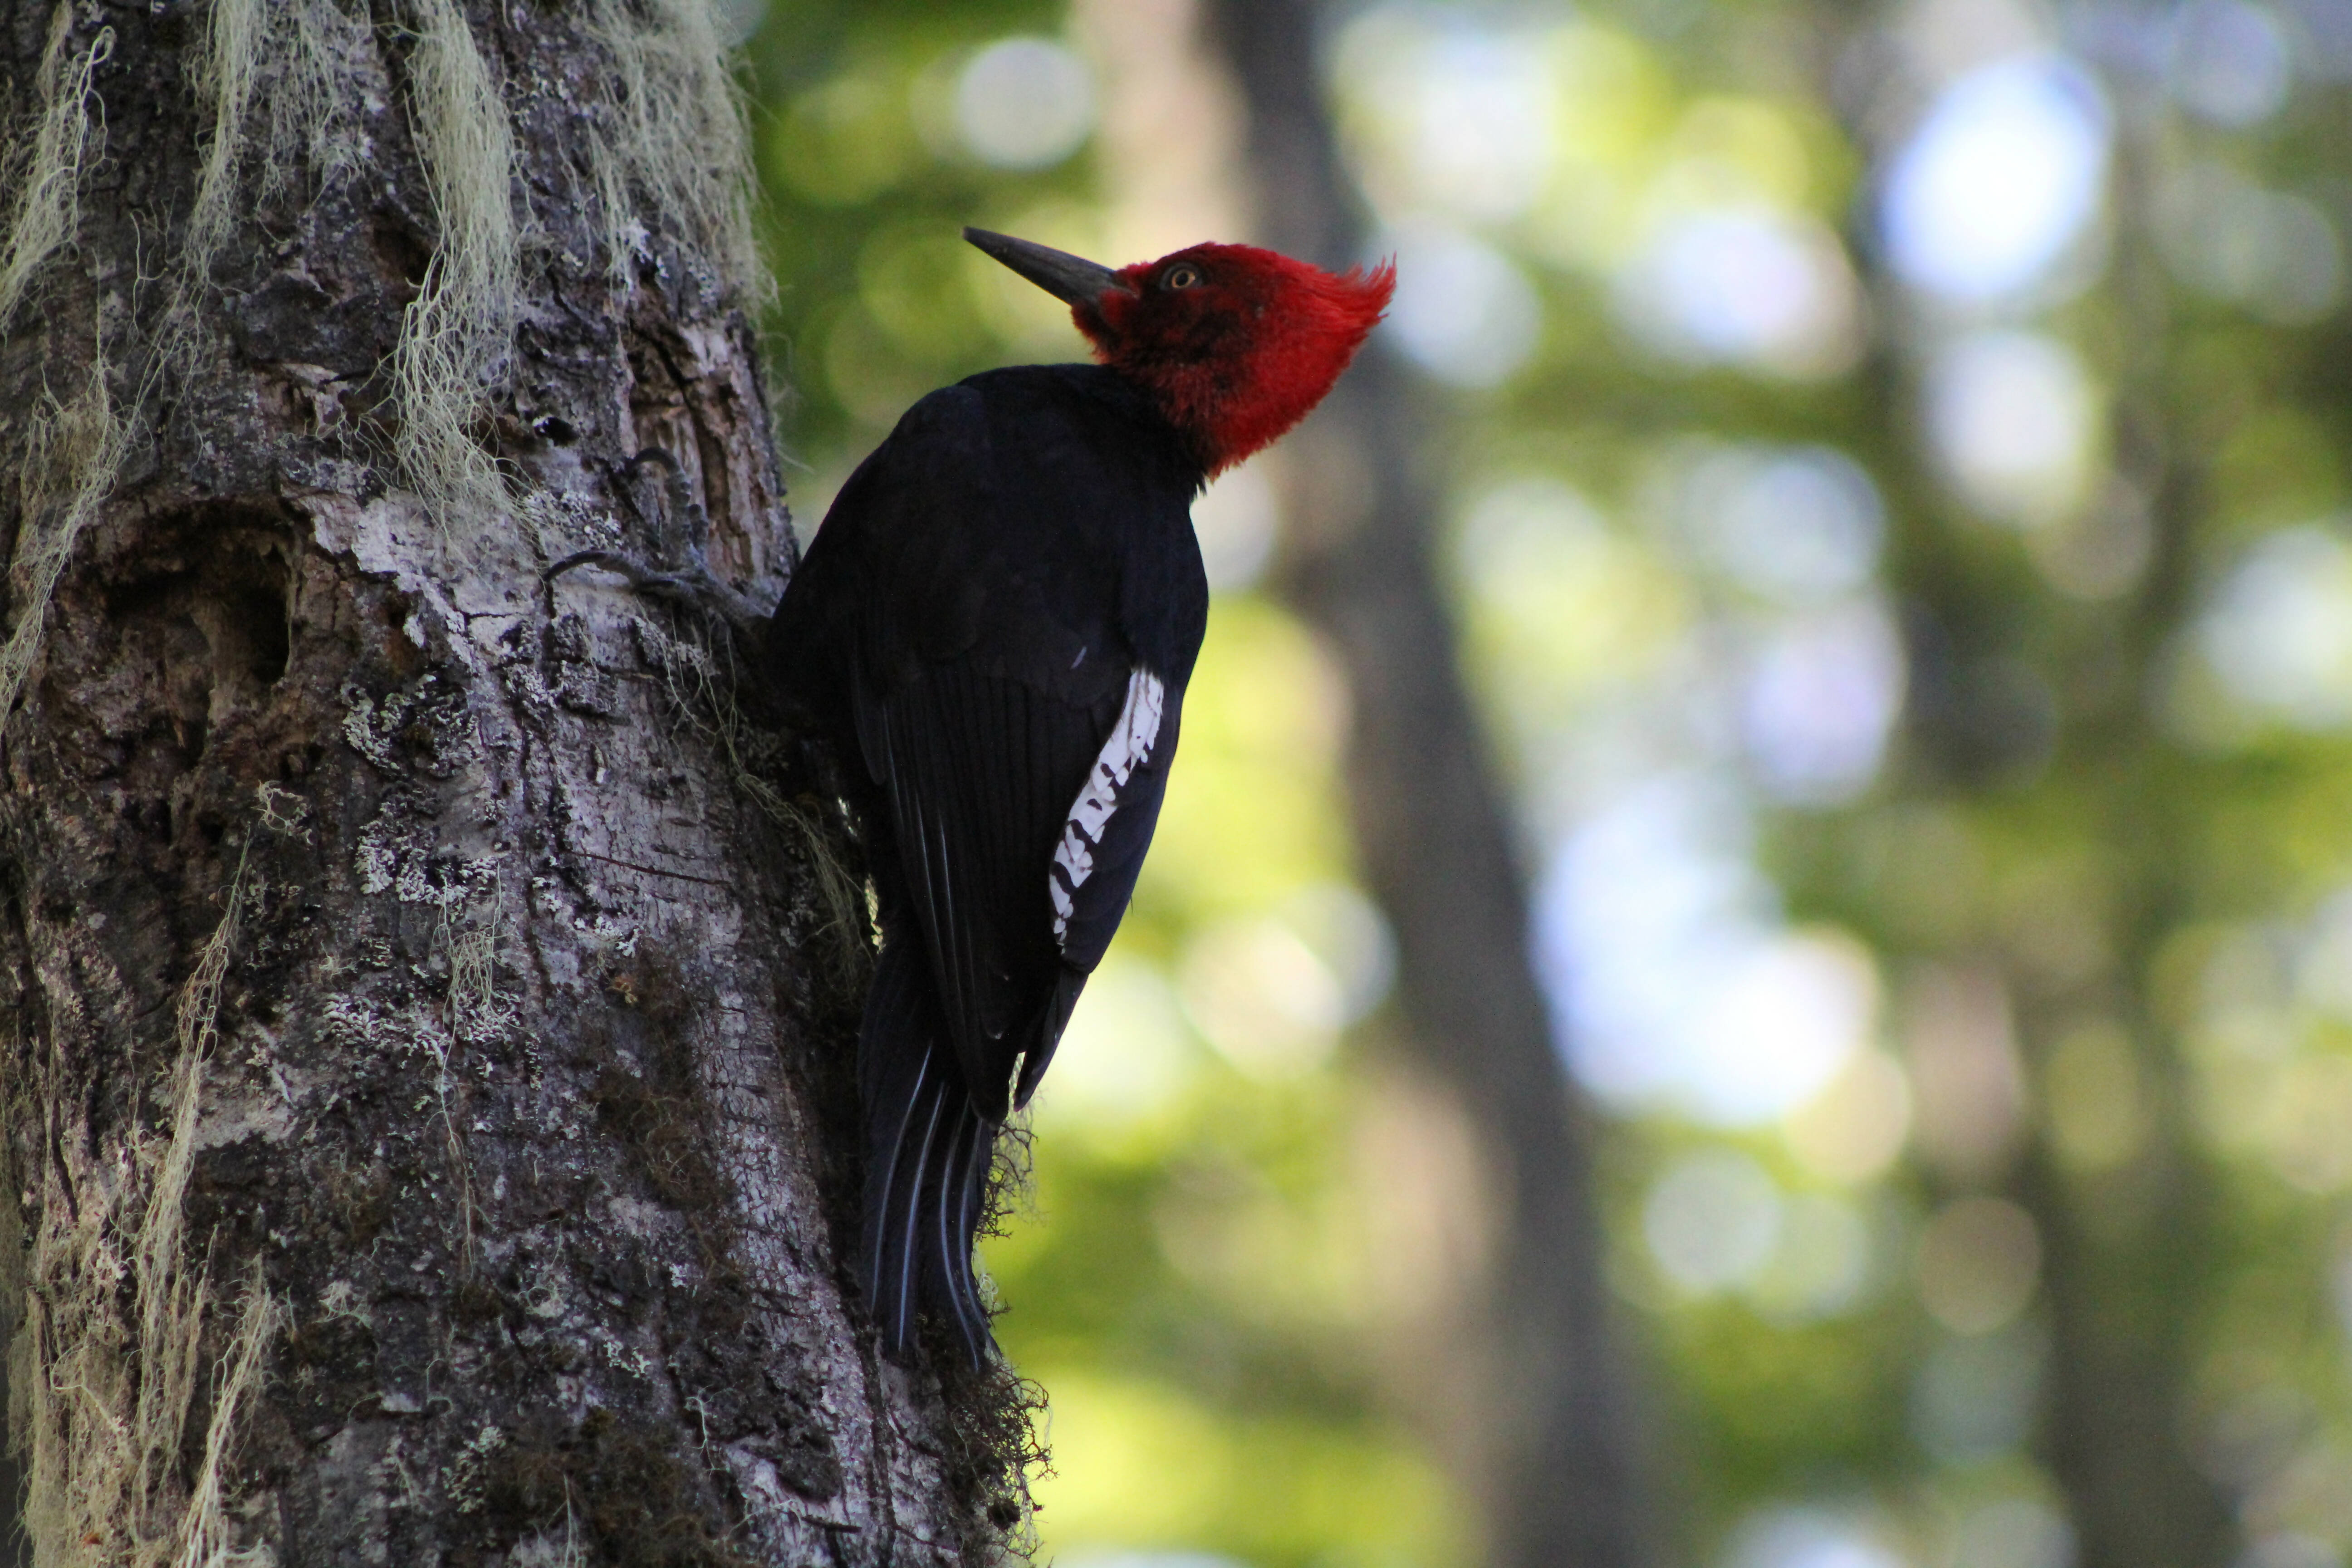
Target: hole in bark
(206,599)
(401,251)
(148,598)
(269,641)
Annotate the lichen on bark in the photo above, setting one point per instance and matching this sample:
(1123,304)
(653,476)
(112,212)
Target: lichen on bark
(425,991)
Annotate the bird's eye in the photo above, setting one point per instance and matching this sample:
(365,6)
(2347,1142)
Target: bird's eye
(1182,275)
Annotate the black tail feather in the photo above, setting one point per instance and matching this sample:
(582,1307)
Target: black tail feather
(962,1188)
(950,1278)
(927,1159)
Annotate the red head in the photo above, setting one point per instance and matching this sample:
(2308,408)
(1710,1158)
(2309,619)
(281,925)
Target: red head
(1235,343)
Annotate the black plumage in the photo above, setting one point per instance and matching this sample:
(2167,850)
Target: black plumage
(995,624)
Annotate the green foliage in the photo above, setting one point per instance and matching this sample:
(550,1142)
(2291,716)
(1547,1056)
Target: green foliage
(2080,920)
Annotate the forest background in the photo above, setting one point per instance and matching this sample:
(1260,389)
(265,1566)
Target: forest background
(1891,485)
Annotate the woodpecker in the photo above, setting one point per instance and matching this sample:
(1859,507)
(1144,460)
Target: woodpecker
(994,626)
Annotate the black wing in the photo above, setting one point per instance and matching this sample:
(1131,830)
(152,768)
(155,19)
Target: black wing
(982,771)
(1098,849)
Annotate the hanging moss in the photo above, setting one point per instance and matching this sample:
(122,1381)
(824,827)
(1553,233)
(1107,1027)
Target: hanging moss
(106,1381)
(459,333)
(45,170)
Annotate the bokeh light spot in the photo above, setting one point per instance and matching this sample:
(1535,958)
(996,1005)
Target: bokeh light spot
(1822,697)
(1798,525)
(1745,286)
(1809,1538)
(1266,1000)
(2000,178)
(1853,1129)
(1712,1221)
(2229,62)
(2279,632)
(1460,118)
(1125,1059)
(1675,983)
(1235,520)
(1820,1265)
(1024,103)
(1980,1261)
(2012,417)
(1464,312)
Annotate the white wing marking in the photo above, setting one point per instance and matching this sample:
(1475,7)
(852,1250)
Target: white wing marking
(1128,749)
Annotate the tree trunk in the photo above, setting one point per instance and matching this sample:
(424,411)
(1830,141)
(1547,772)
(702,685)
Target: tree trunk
(426,996)
(2129,1253)
(1546,1400)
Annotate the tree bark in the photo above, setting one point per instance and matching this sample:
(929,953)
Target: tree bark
(1548,1394)
(424,995)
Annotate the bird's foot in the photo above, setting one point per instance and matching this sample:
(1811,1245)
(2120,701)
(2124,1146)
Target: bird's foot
(695,588)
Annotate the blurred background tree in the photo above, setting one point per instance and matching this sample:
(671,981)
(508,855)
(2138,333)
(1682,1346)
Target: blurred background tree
(1886,468)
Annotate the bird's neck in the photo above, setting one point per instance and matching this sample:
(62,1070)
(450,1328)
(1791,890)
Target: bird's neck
(1227,407)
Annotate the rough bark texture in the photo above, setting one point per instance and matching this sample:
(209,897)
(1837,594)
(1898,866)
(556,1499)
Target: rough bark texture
(424,1033)
(1549,1404)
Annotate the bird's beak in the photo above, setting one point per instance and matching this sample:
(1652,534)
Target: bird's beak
(1065,277)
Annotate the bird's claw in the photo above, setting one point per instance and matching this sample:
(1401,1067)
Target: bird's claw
(695,589)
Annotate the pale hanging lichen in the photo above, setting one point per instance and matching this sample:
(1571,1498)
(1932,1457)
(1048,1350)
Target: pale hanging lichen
(292,57)
(282,53)
(674,149)
(225,73)
(313,93)
(47,171)
(203,1535)
(71,452)
(457,334)
(106,1394)
(71,456)
(670,150)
